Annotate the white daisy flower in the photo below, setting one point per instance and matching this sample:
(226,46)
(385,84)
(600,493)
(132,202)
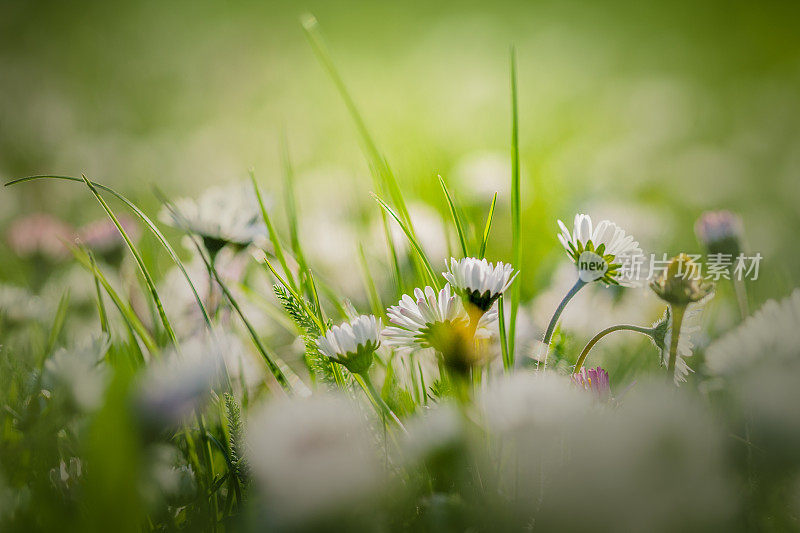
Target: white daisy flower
(773,332)
(224,215)
(478,281)
(352,344)
(416,320)
(599,252)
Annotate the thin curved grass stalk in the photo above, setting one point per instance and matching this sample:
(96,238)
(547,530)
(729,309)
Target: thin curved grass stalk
(127,313)
(101,307)
(414,243)
(376,159)
(487,228)
(58,322)
(516,224)
(369,284)
(150,226)
(151,286)
(273,235)
(398,276)
(462,239)
(621,327)
(508,361)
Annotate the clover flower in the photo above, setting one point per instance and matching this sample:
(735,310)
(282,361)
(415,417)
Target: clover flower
(479,282)
(352,344)
(773,332)
(418,322)
(598,251)
(720,232)
(222,216)
(594,380)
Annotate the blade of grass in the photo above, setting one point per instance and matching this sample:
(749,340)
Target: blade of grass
(487,228)
(300,300)
(273,235)
(413,240)
(137,256)
(311,29)
(516,224)
(369,284)
(456,218)
(398,276)
(58,322)
(101,307)
(501,319)
(146,220)
(127,313)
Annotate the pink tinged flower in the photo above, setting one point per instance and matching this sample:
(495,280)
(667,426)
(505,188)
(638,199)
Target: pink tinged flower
(39,234)
(720,232)
(594,380)
(102,235)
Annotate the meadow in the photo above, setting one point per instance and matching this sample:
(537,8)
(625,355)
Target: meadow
(526,266)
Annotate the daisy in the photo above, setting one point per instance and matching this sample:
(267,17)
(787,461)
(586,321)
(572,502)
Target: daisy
(600,252)
(594,380)
(352,344)
(418,321)
(39,235)
(222,216)
(479,282)
(681,283)
(608,247)
(773,332)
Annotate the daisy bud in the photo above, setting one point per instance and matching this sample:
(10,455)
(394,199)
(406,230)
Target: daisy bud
(720,232)
(352,344)
(680,283)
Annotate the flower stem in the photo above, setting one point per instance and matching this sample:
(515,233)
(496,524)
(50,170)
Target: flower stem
(596,338)
(677,320)
(366,383)
(548,336)
(741,297)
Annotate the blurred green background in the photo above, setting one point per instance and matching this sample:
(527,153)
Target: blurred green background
(644,112)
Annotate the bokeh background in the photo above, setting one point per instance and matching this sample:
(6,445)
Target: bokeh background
(644,112)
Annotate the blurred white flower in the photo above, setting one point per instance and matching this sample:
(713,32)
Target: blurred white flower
(20,305)
(312,457)
(606,244)
(223,215)
(415,319)
(478,281)
(484,173)
(352,344)
(434,430)
(81,371)
(772,334)
(180,382)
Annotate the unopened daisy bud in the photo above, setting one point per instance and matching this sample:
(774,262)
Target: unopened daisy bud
(594,380)
(479,282)
(720,232)
(352,344)
(680,283)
